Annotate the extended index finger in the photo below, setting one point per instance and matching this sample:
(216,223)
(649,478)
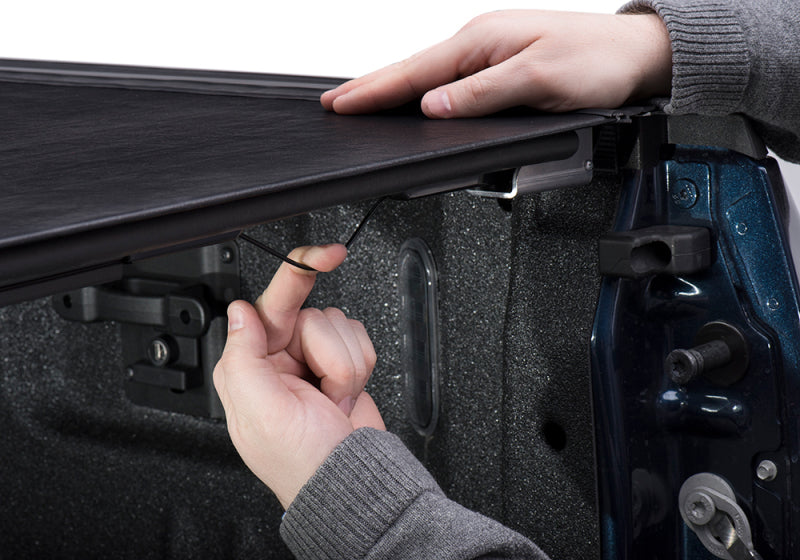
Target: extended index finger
(280,303)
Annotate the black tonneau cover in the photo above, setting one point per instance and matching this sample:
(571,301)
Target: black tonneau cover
(99,164)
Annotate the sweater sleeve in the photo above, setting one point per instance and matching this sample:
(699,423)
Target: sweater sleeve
(735,56)
(372,499)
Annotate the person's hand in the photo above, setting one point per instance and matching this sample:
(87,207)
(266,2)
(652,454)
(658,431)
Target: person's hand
(276,356)
(552,61)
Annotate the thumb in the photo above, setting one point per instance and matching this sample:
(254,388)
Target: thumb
(246,334)
(483,93)
(245,347)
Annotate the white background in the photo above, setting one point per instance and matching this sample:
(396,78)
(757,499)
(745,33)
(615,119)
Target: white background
(335,38)
(343,38)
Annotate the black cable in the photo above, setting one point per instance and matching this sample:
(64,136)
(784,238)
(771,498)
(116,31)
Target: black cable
(275,253)
(284,258)
(363,222)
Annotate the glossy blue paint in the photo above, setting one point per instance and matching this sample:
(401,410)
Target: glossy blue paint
(653,434)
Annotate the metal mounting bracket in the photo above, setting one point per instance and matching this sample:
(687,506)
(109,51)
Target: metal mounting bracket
(573,171)
(708,507)
(171,311)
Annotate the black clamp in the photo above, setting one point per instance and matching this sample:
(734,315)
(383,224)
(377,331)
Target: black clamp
(675,250)
(171,312)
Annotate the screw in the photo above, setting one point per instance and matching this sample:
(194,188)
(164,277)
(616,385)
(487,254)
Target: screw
(130,373)
(699,508)
(683,365)
(226,255)
(685,193)
(767,470)
(588,165)
(159,352)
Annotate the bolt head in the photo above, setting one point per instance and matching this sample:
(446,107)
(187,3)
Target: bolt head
(767,470)
(684,193)
(699,508)
(681,366)
(226,255)
(159,352)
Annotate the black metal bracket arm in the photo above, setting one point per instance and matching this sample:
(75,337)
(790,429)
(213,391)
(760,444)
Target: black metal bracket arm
(180,313)
(171,311)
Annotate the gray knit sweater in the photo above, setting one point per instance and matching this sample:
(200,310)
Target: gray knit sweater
(736,56)
(371,498)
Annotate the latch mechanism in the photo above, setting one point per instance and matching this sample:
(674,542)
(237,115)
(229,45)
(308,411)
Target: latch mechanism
(171,311)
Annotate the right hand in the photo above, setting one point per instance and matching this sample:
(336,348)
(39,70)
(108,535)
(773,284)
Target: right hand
(292,379)
(553,61)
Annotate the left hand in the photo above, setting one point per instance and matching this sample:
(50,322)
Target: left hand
(275,357)
(553,61)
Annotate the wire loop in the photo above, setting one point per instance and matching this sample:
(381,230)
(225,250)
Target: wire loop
(286,259)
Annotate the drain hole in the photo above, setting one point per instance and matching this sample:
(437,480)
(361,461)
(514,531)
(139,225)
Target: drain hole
(554,435)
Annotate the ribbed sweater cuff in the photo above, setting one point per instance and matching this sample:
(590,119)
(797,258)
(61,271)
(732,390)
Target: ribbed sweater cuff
(710,61)
(354,497)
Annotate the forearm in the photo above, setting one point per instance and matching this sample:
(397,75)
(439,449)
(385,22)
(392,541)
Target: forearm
(372,499)
(735,56)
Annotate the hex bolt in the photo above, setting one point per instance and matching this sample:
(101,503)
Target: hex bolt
(767,470)
(699,508)
(683,365)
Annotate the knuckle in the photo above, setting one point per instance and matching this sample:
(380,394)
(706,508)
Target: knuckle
(407,81)
(543,84)
(309,315)
(476,89)
(234,349)
(367,349)
(404,65)
(341,371)
(539,74)
(299,252)
(234,430)
(217,376)
(334,314)
(358,326)
(371,357)
(360,375)
(481,20)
